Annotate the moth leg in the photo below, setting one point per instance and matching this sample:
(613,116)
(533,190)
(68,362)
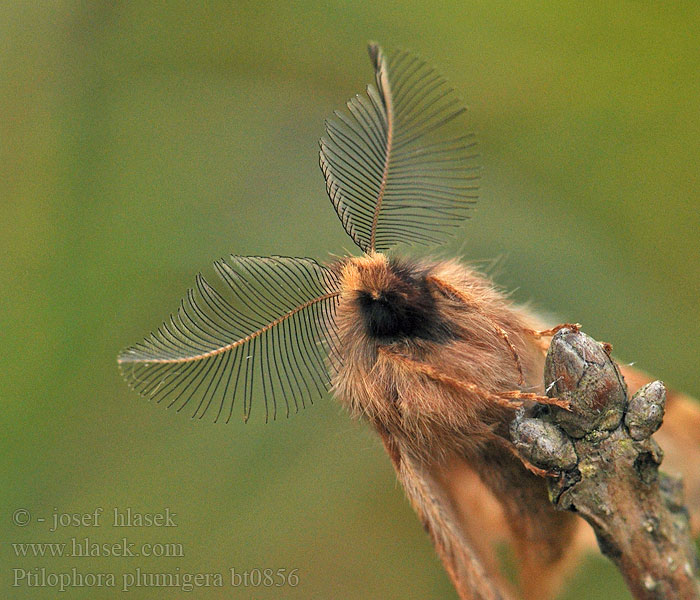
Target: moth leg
(510,400)
(527,464)
(550,332)
(516,358)
(456,294)
(518,395)
(508,445)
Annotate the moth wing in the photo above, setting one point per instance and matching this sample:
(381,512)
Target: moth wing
(463,523)
(468,520)
(400,167)
(264,329)
(469,559)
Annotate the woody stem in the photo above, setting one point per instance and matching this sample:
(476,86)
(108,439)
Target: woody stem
(607,465)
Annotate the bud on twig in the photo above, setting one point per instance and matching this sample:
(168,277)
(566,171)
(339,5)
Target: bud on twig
(606,467)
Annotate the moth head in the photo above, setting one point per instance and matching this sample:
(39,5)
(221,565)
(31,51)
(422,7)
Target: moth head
(391,299)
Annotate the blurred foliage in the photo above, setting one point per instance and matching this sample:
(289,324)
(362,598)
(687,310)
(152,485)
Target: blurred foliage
(140,141)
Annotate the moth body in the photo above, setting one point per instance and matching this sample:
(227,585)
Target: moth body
(419,351)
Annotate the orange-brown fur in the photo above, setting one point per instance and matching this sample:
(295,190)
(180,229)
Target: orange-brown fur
(442,413)
(430,408)
(434,406)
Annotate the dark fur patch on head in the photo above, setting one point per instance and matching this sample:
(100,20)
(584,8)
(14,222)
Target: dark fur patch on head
(404,310)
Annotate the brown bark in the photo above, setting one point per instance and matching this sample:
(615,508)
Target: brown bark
(605,463)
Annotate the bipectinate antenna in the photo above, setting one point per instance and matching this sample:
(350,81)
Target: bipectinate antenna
(399,167)
(265,332)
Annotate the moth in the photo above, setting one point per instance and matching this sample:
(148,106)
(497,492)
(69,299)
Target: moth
(429,352)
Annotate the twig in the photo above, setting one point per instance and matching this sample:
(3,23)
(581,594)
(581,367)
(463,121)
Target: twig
(606,464)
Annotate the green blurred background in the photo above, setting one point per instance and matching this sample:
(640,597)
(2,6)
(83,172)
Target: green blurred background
(139,142)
